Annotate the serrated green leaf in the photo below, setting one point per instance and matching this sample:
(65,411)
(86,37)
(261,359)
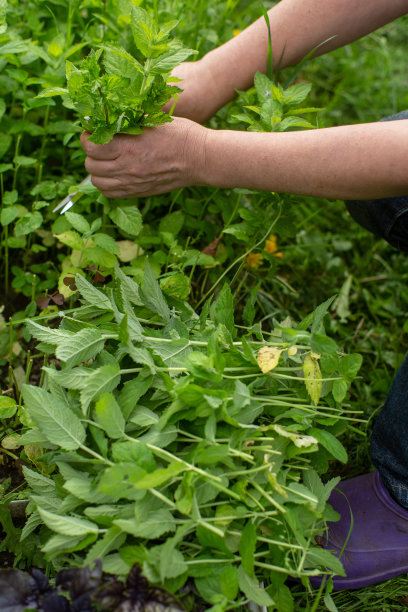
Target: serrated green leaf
(128,287)
(91,294)
(138,454)
(55,419)
(339,390)
(70,379)
(67,525)
(142,29)
(107,243)
(330,443)
(78,222)
(100,257)
(127,218)
(83,489)
(118,481)
(143,417)
(222,311)
(229,582)
(322,344)
(60,543)
(160,476)
(33,521)
(23,160)
(158,523)
(166,62)
(109,415)
(8,407)
(320,557)
(349,366)
(72,239)
(112,540)
(9,214)
(247,546)
(141,355)
(152,296)
(82,346)
(28,223)
(102,381)
(318,315)
(250,587)
(296,94)
(117,61)
(47,334)
(40,484)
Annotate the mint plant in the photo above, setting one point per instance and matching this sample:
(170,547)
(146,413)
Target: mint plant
(269,107)
(113,92)
(172,442)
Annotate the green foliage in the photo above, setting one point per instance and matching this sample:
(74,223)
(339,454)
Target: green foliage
(268,107)
(197,469)
(113,92)
(195,241)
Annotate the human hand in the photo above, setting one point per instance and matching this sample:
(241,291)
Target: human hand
(197,101)
(161,159)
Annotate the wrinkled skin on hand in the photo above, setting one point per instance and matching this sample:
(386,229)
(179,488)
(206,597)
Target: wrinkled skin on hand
(164,158)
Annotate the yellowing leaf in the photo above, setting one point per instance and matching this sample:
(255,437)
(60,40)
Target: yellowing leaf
(268,358)
(304,441)
(298,440)
(313,376)
(72,239)
(292,351)
(33,452)
(11,442)
(128,250)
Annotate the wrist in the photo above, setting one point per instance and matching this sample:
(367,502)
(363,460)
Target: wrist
(195,153)
(222,159)
(195,102)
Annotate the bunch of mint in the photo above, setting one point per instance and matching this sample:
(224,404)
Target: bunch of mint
(113,92)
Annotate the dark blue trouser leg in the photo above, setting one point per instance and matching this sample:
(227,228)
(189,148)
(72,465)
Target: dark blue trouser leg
(388,218)
(389,441)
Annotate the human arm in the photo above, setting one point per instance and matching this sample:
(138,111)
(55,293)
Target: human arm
(297,27)
(349,162)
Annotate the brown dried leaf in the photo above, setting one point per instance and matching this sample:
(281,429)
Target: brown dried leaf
(58,299)
(43,301)
(211,248)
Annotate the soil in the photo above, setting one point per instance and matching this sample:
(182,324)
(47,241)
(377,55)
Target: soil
(11,468)
(6,559)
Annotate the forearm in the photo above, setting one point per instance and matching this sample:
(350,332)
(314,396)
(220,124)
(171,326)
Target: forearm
(351,162)
(297,27)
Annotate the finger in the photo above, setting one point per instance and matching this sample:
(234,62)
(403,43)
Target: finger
(109,151)
(113,188)
(106,184)
(103,168)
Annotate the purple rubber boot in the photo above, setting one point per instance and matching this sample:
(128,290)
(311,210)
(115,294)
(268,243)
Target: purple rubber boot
(377,548)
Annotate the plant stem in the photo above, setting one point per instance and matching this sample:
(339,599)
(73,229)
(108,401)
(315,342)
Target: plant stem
(104,106)
(40,166)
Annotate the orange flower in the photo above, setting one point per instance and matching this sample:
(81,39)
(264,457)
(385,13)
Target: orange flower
(271,245)
(254,260)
